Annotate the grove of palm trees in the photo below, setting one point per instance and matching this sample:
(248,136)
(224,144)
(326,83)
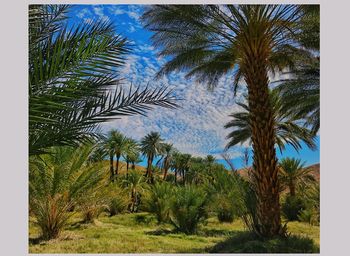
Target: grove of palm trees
(174,128)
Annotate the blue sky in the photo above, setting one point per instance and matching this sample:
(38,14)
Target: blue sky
(196,127)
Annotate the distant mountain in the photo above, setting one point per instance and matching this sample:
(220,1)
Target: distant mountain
(315,171)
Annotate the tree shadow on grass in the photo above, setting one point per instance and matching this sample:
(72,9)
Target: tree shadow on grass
(246,242)
(200,232)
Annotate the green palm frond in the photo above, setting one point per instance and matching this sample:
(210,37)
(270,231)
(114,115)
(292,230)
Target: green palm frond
(71,72)
(289,128)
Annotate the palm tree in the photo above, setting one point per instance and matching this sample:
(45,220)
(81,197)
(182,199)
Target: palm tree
(135,184)
(210,160)
(302,89)
(58,182)
(250,40)
(120,146)
(176,163)
(287,126)
(168,151)
(108,145)
(71,69)
(131,153)
(185,165)
(151,146)
(292,172)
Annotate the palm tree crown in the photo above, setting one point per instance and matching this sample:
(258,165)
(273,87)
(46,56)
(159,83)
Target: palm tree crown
(293,171)
(288,127)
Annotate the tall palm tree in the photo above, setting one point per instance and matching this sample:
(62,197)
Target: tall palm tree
(71,69)
(168,151)
(131,153)
(210,41)
(185,165)
(151,146)
(176,163)
(108,146)
(120,147)
(288,127)
(292,172)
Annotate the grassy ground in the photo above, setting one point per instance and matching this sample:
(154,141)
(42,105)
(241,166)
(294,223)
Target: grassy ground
(139,233)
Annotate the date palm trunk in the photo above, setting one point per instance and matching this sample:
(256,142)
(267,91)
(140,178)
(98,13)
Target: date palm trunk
(292,188)
(111,167)
(263,138)
(117,165)
(149,168)
(127,168)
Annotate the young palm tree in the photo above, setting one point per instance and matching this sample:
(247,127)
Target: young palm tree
(151,146)
(250,40)
(57,182)
(287,126)
(135,184)
(71,69)
(293,172)
(131,153)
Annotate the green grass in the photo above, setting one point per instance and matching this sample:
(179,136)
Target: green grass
(139,233)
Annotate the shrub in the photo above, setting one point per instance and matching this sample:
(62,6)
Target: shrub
(134,184)
(116,199)
(57,182)
(188,208)
(310,215)
(292,206)
(225,210)
(157,200)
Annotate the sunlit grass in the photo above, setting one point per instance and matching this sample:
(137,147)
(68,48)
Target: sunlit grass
(139,233)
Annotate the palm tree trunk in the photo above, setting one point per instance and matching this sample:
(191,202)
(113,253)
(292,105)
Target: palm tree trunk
(133,165)
(149,166)
(292,188)
(117,165)
(111,167)
(127,168)
(263,138)
(175,176)
(165,172)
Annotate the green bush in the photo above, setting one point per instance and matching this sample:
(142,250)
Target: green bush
(310,215)
(225,210)
(292,207)
(188,208)
(157,200)
(57,183)
(117,200)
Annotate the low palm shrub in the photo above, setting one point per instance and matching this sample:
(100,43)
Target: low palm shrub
(292,207)
(157,200)
(135,185)
(311,197)
(57,182)
(188,208)
(225,209)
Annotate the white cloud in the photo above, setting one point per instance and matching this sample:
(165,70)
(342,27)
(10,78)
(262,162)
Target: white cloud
(84,12)
(99,11)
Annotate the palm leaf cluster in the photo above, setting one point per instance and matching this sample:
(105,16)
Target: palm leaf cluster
(289,126)
(71,71)
(57,183)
